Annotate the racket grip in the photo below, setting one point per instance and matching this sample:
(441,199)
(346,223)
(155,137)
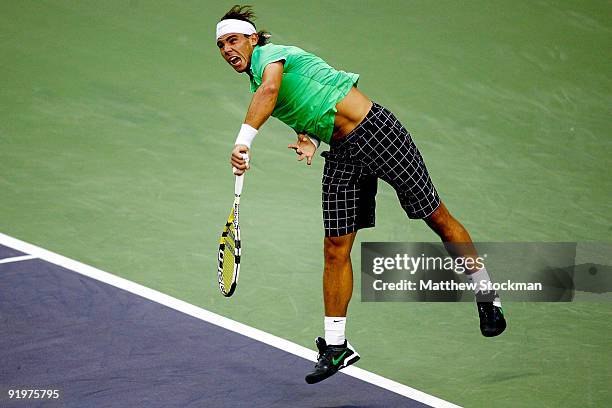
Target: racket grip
(238,185)
(240,179)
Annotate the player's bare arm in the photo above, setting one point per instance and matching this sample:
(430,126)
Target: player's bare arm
(264,99)
(260,109)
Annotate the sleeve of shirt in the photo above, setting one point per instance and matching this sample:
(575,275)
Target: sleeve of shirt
(268,54)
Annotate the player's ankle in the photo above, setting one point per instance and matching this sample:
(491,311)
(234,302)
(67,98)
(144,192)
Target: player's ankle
(483,282)
(334,330)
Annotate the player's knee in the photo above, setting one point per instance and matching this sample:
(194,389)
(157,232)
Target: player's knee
(439,218)
(337,249)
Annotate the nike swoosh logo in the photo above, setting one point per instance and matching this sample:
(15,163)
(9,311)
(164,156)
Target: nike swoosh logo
(336,361)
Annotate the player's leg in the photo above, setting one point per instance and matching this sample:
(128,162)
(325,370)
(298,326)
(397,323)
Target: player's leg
(459,244)
(446,226)
(348,205)
(389,152)
(451,231)
(335,352)
(337,277)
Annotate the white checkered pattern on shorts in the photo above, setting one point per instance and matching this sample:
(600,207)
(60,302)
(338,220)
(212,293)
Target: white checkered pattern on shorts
(379,147)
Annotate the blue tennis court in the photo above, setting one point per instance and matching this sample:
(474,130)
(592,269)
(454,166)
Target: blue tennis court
(103,346)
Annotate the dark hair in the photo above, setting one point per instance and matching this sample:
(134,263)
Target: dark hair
(246,13)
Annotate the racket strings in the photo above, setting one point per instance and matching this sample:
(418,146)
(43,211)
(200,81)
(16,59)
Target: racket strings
(229,260)
(229,253)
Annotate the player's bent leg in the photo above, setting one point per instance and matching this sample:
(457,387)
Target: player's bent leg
(459,244)
(447,227)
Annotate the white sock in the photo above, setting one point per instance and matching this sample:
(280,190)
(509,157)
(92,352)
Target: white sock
(483,276)
(334,330)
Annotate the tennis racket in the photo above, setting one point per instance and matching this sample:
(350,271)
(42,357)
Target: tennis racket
(228,269)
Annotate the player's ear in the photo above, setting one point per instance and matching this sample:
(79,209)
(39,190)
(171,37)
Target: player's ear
(254,38)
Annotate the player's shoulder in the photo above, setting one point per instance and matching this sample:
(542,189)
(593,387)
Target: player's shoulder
(268,53)
(263,51)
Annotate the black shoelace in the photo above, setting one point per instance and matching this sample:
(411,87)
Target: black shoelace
(325,357)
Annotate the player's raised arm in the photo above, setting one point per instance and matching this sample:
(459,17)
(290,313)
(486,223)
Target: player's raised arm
(260,109)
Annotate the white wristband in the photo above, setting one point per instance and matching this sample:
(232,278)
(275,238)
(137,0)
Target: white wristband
(246,135)
(314,141)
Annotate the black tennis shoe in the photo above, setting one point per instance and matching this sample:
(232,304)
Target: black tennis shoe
(492,321)
(331,359)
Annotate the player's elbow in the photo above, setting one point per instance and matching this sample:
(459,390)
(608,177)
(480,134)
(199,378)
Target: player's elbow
(269,89)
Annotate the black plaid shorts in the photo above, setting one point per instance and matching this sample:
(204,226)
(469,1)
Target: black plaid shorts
(379,147)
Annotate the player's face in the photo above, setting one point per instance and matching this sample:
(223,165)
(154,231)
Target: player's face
(236,49)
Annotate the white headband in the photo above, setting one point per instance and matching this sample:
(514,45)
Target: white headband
(234,26)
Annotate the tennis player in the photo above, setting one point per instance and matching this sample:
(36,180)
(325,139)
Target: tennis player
(367,143)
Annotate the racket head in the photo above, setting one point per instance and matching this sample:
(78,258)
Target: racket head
(229,254)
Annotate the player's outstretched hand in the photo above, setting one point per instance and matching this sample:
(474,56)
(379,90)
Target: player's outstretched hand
(239,164)
(304,148)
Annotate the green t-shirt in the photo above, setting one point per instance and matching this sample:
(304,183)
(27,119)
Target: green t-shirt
(309,91)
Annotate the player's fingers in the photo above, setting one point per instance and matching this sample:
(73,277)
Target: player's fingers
(247,159)
(237,155)
(239,164)
(309,160)
(301,157)
(293,146)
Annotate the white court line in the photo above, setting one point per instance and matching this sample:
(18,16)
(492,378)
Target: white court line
(217,320)
(17,258)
